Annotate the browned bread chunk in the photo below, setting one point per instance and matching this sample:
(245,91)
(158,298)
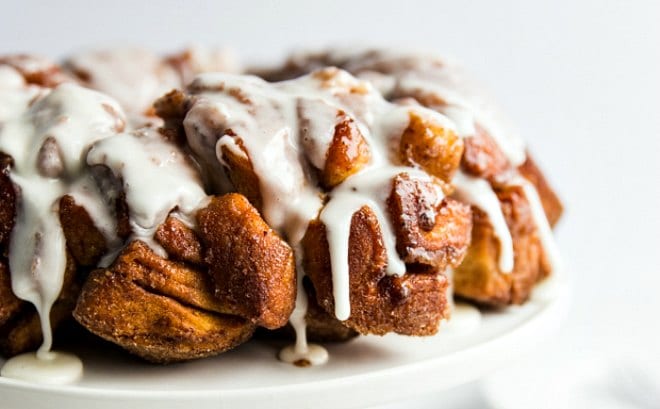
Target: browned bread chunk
(252,266)
(171,107)
(85,242)
(160,310)
(484,159)
(411,305)
(429,230)
(241,173)
(347,154)
(180,241)
(551,203)
(430,146)
(478,278)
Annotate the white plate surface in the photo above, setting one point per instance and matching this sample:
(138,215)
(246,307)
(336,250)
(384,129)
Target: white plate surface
(366,371)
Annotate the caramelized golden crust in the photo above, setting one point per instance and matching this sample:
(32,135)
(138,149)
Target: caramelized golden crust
(174,306)
(85,242)
(347,154)
(551,204)
(484,159)
(324,327)
(431,146)
(154,327)
(479,279)
(180,241)
(241,173)
(252,266)
(236,273)
(169,278)
(161,310)
(411,305)
(429,230)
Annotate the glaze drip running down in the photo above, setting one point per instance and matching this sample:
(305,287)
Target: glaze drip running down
(286,129)
(322,147)
(445,86)
(157,178)
(54,137)
(47,142)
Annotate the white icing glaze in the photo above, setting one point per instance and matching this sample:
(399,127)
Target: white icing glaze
(443,85)
(30,64)
(136,77)
(156,178)
(467,104)
(449,273)
(53,368)
(317,128)
(313,355)
(266,122)
(52,142)
(302,351)
(48,142)
(542,225)
(86,193)
(478,192)
(10,78)
(462,118)
(367,188)
(286,129)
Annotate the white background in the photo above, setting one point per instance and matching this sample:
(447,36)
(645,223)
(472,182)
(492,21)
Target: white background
(581,79)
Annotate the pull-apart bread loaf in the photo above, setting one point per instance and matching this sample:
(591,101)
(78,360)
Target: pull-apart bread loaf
(174,211)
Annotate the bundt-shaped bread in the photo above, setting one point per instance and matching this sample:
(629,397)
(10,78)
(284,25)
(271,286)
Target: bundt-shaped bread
(356,195)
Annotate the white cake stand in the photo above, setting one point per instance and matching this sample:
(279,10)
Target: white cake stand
(367,371)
